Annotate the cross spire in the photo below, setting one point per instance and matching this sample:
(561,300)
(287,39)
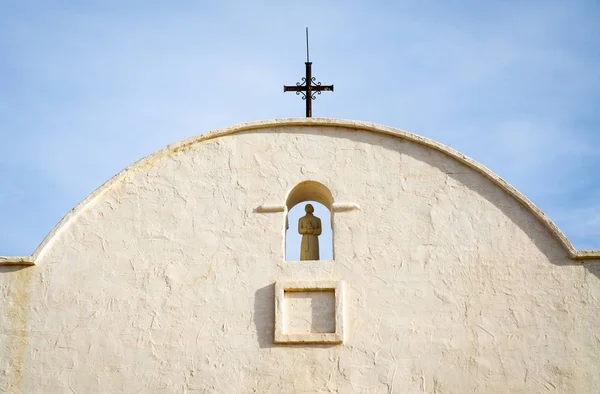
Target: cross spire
(309,88)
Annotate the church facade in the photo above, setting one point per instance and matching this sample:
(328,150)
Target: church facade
(172,277)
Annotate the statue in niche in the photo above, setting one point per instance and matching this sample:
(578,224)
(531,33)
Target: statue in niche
(310,227)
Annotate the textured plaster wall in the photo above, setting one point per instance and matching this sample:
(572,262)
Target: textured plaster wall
(165,282)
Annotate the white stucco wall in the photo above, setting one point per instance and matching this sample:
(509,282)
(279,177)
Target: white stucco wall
(164,280)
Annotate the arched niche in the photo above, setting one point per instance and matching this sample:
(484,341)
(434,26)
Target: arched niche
(310,191)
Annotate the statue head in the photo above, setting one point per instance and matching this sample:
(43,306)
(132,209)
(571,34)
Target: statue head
(309,208)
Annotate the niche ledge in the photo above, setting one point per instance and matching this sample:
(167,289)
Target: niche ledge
(17,260)
(307,261)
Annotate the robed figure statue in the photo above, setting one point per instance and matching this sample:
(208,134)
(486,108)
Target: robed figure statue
(310,227)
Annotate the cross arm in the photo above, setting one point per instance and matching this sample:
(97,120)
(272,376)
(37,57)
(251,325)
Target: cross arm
(322,88)
(294,88)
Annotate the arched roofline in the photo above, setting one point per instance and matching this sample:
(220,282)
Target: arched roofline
(321,122)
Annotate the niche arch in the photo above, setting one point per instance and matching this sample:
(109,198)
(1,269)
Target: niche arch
(309,191)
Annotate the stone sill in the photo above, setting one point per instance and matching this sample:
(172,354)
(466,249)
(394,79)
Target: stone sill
(17,260)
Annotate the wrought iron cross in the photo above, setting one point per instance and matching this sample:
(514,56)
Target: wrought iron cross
(309,88)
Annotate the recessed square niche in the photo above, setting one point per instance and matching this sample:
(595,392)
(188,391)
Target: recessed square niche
(309,312)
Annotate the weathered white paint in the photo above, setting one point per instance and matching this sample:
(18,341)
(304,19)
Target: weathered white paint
(163,279)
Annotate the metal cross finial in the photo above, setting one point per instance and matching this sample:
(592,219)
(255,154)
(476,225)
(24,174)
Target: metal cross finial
(309,88)
(307,57)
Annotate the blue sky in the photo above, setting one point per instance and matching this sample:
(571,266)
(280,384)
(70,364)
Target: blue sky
(87,88)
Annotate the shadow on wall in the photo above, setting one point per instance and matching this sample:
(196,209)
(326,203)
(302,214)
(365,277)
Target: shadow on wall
(479,184)
(264,315)
(593,268)
(13,268)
